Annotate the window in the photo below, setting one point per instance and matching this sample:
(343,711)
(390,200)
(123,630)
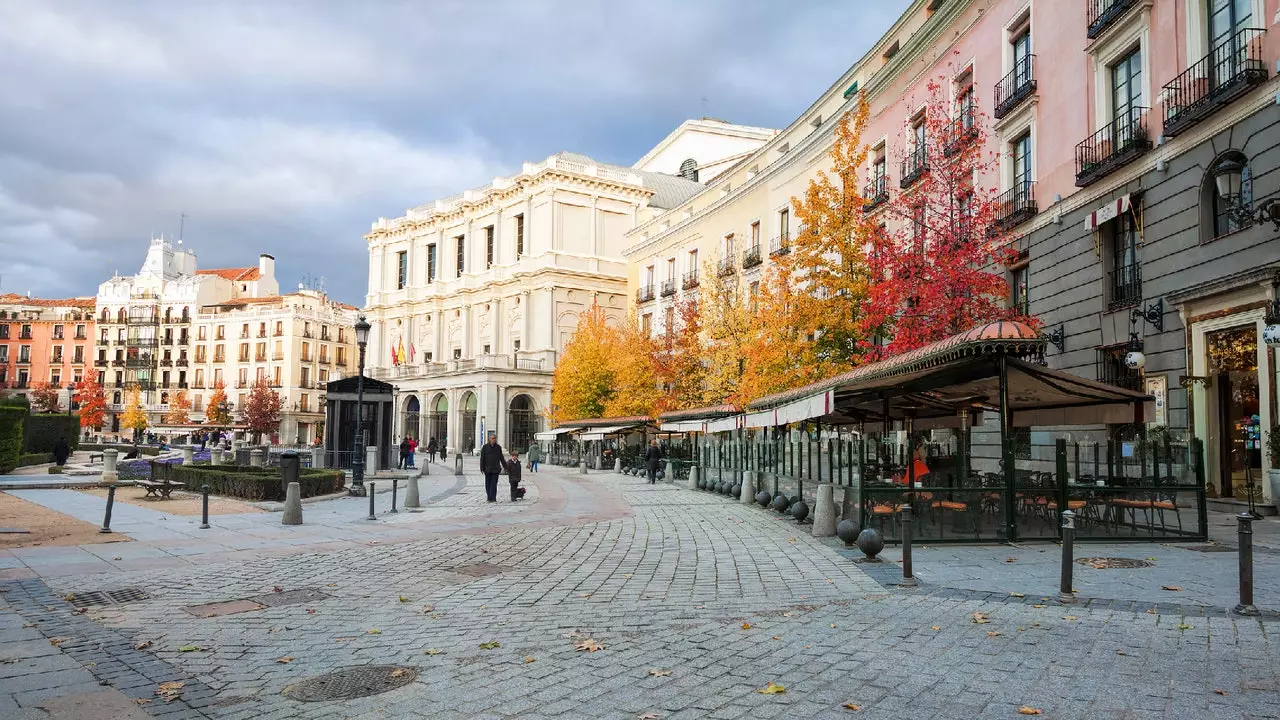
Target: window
(488,247)
(197,402)
(784,223)
(244,352)
(24,353)
(515,345)
(669,320)
(693,262)
(671,269)
(918,227)
(244,331)
(755,234)
(964,100)
(431,263)
(461,241)
(262,330)
(726,246)
(1020,151)
(457,353)
(222,333)
(1126,88)
(78,354)
(243,377)
(55,376)
(648,276)
(57,332)
(402,269)
(964,215)
(1227,17)
(1126,276)
(646,323)
(1113,371)
(199,380)
(200,334)
(1018,298)
(689,169)
(219,353)
(279,328)
(1022,56)
(519,236)
(25,332)
(753,295)
(4,332)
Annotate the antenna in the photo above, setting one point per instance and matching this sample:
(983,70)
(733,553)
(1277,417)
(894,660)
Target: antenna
(182,221)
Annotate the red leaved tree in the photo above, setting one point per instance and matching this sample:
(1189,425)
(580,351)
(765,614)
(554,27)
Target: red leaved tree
(44,397)
(937,264)
(262,409)
(678,359)
(93,403)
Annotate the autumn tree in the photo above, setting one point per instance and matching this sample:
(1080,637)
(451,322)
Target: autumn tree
(93,403)
(677,359)
(262,409)
(179,409)
(44,397)
(936,264)
(726,324)
(216,413)
(781,351)
(135,415)
(634,366)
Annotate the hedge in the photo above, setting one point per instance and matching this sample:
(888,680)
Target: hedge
(11,421)
(15,400)
(42,432)
(27,459)
(124,449)
(249,483)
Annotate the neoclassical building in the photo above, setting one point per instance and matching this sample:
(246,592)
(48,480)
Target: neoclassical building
(473,297)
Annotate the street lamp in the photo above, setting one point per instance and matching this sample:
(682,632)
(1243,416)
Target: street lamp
(357,445)
(70,397)
(1228,179)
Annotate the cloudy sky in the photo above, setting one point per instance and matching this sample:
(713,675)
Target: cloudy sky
(286,127)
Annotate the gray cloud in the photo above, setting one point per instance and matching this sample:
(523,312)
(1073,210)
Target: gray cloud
(286,127)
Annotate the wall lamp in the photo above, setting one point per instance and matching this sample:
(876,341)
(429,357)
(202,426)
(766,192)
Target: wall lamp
(1228,177)
(1153,315)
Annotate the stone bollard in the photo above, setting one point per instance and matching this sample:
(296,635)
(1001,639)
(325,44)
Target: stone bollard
(109,472)
(411,499)
(371,460)
(188,455)
(617,464)
(292,505)
(824,511)
(317,457)
(257,458)
(215,456)
(849,505)
(582,467)
(693,477)
(747,495)
(424,469)
(457,463)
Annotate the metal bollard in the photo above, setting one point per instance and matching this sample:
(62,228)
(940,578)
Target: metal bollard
(204,507)
(371,515)
(111,500)
(395,481)
(908,579)
(1065,594)
(1245,535)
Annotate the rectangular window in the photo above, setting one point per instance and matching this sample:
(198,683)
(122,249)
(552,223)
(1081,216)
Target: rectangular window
(726,247)
(1020,150)
(78,354)
(402,269)
(671,269)
(1022,57)
(519,235)
(1227,17)
(457,353)
(753,295)
(1018,297)
(244,352)
(646,323)
(693,262)
(964,215)
(431,263)
(1126,89)
(1126,275)
(25,332)
(918,227)
(461,241)
(488,247)
(222,333)
(486,350)
(244,331)
(669,320)
(57,332)
(243,377)
(755,234)
(199,379)
(4,332)
(964,100)
(24,353)
(784,224)
(262,330)
(1113,370)
(55,376)
(279,328)
(219,353)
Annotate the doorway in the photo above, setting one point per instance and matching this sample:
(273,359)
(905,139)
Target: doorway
(1232,356)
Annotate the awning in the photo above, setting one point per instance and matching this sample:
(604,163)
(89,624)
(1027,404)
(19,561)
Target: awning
(552,434)
(1107,212)
(727,424)
(683,426)
(601,433)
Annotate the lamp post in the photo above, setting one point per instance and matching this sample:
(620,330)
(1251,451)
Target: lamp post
(357,445)
(1228,179)
(70,397)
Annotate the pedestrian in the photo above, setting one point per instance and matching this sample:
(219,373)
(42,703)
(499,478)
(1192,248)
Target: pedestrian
(534,455)
(513,477)
(652,458)
(491,463)
(404,453)
(431,450)
(61,452)
(204,440)
(413,449)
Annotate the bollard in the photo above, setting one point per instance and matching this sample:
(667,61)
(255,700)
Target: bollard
(824,511)
(371,460)
(395,482)
(289,468)
(106,519)
(582,467)
(908,579)
(188,456)
(204,507)
(1245,535)
(411,499)
(457,463)
(1065,595)
(317,458)
(292,505)
(371,515)
(257,458)
(747,494)
(693,477)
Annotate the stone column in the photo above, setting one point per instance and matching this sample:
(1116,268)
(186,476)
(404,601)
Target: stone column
(257,458)
(748,494)
(317,457)
(525,313)
(188,455)
(109,472)
(371,460)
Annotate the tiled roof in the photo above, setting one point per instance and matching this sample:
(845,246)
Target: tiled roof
(233,274)
(700,412)
(16,299)
(606,422)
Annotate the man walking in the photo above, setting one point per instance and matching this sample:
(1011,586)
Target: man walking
(491,465)
(652,457)
(534,456)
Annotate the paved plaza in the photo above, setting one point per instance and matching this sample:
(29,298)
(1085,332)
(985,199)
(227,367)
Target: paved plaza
(604,597)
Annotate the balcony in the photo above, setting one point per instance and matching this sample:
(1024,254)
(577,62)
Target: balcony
(141,361)
(24,335)
(183,340)
(168,340)
(182,386)
(1112,147)
(57,360)
(118,362)
(77,360)
(166,363)
(668,287)
(260,358)
(118,341)
(143,319)
(142,342)
(180,362)
(690,280)
(780,245)
(1015,206)
(140,384)
(100,362)
(1231,69)
(324,360)
(644,293)
(307,334)
(725,266)
(1125,285)
(913,167)
(751,257)
(1104,12)
(1017,86)
(81,336)
(960,132)
(24,359)
(341,362)
(243,359)
(277,357)
(875,193)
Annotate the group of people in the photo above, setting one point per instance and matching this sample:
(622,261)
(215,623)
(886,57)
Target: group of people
(493,463)
(409,451)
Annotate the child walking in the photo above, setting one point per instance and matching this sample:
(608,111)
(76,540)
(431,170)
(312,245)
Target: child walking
(513,477)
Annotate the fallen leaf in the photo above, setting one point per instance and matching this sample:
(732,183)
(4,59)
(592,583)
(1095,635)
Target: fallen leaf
(490,645)
(142,701)
(1010,560)
(1171,588)
(404,599)
(937,627)
(659,673)
(80,611)
(1028,710)
(285,660)
(648,716)
(529,659)
(1219,692)
(58,641)
(791,539)
(588,645)
(1037,605)
(169,691)
(627,576)
(1121,652)
(833,624)
(777,637)
(432,651)
(788,614)
(771,689)
(1184,626)
(69,597)
(375,631)
(1016,595)
(1152,611)
(981,618)
(427,609)
(1070,617)
(851,706)
(993,633)
(142,645)
(746,626)
(28,625)
(116,558)
(398,672)
(332,585)
(584,595)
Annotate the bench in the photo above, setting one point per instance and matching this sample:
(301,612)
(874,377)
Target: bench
(158,489)
(94,456)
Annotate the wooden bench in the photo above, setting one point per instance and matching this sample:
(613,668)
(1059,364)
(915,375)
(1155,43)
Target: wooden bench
(158,489)
(94,456)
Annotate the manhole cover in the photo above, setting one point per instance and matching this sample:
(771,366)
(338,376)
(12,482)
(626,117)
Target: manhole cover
(352,682)
(289,597)
(480,569)
(1206,548)
(107,597)
(1113,563)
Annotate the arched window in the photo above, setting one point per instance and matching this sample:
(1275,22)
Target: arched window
(1226,190)
(689,170)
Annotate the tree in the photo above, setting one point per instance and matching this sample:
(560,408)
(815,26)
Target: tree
(633,362)
(262,409)
(936,264)
(135,416)
(93,403)
(584,380)
(782,352)
(216,413)
(726,324)
(44,397)
(677,359)
(179,409)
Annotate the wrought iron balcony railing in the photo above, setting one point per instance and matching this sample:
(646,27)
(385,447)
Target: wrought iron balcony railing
(1104,12)
(751,257)
(960,131)
(644,293)
(1016,205)
(1231,69)
(1121,142)
(668,287)
(690,280)
(780,245)
(875,193)
(1125,286)
(725,266)
(914,166)
(1017,86)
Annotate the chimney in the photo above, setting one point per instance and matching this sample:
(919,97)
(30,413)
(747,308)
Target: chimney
(267,266)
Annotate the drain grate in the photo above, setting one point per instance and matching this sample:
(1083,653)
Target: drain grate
(352,682)
(1113,563)
(106,597)
(480,569)
(1207,548)
(289,597)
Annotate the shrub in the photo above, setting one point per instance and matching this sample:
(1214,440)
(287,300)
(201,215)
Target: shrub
(42,432)
(11,422)
(28,459)
(14,400)
(248,483)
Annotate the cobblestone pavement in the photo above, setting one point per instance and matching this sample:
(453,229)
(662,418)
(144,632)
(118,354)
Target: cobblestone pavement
(694,604)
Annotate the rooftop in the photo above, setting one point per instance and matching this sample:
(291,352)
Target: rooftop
(233,274)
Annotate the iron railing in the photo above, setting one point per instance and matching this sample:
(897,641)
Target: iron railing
(913,166)
(960,131)
(780,245)
(668,287)
(1231,69)
(1016,205)
(1112,370)
(1125,286)
(875,193)
(644,293)
(690,280)
(725,266)
(1017,86)
(1117,144)
(1104,12)
(751,257)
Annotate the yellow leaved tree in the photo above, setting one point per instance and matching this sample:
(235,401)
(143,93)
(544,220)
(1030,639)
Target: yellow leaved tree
(179,409)
(135,416)
(724,318)
(216,413)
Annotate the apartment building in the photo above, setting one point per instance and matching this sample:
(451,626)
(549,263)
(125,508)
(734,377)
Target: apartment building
(44,340)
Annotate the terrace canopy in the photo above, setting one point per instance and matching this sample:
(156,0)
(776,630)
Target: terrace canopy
(715,418)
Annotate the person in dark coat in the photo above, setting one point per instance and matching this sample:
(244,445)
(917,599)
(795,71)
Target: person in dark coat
(61,452)
(491,464)
(404,453)
(652,459)
(513,477)
(431,449)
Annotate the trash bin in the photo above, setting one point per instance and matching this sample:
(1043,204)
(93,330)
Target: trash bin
(289,464)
